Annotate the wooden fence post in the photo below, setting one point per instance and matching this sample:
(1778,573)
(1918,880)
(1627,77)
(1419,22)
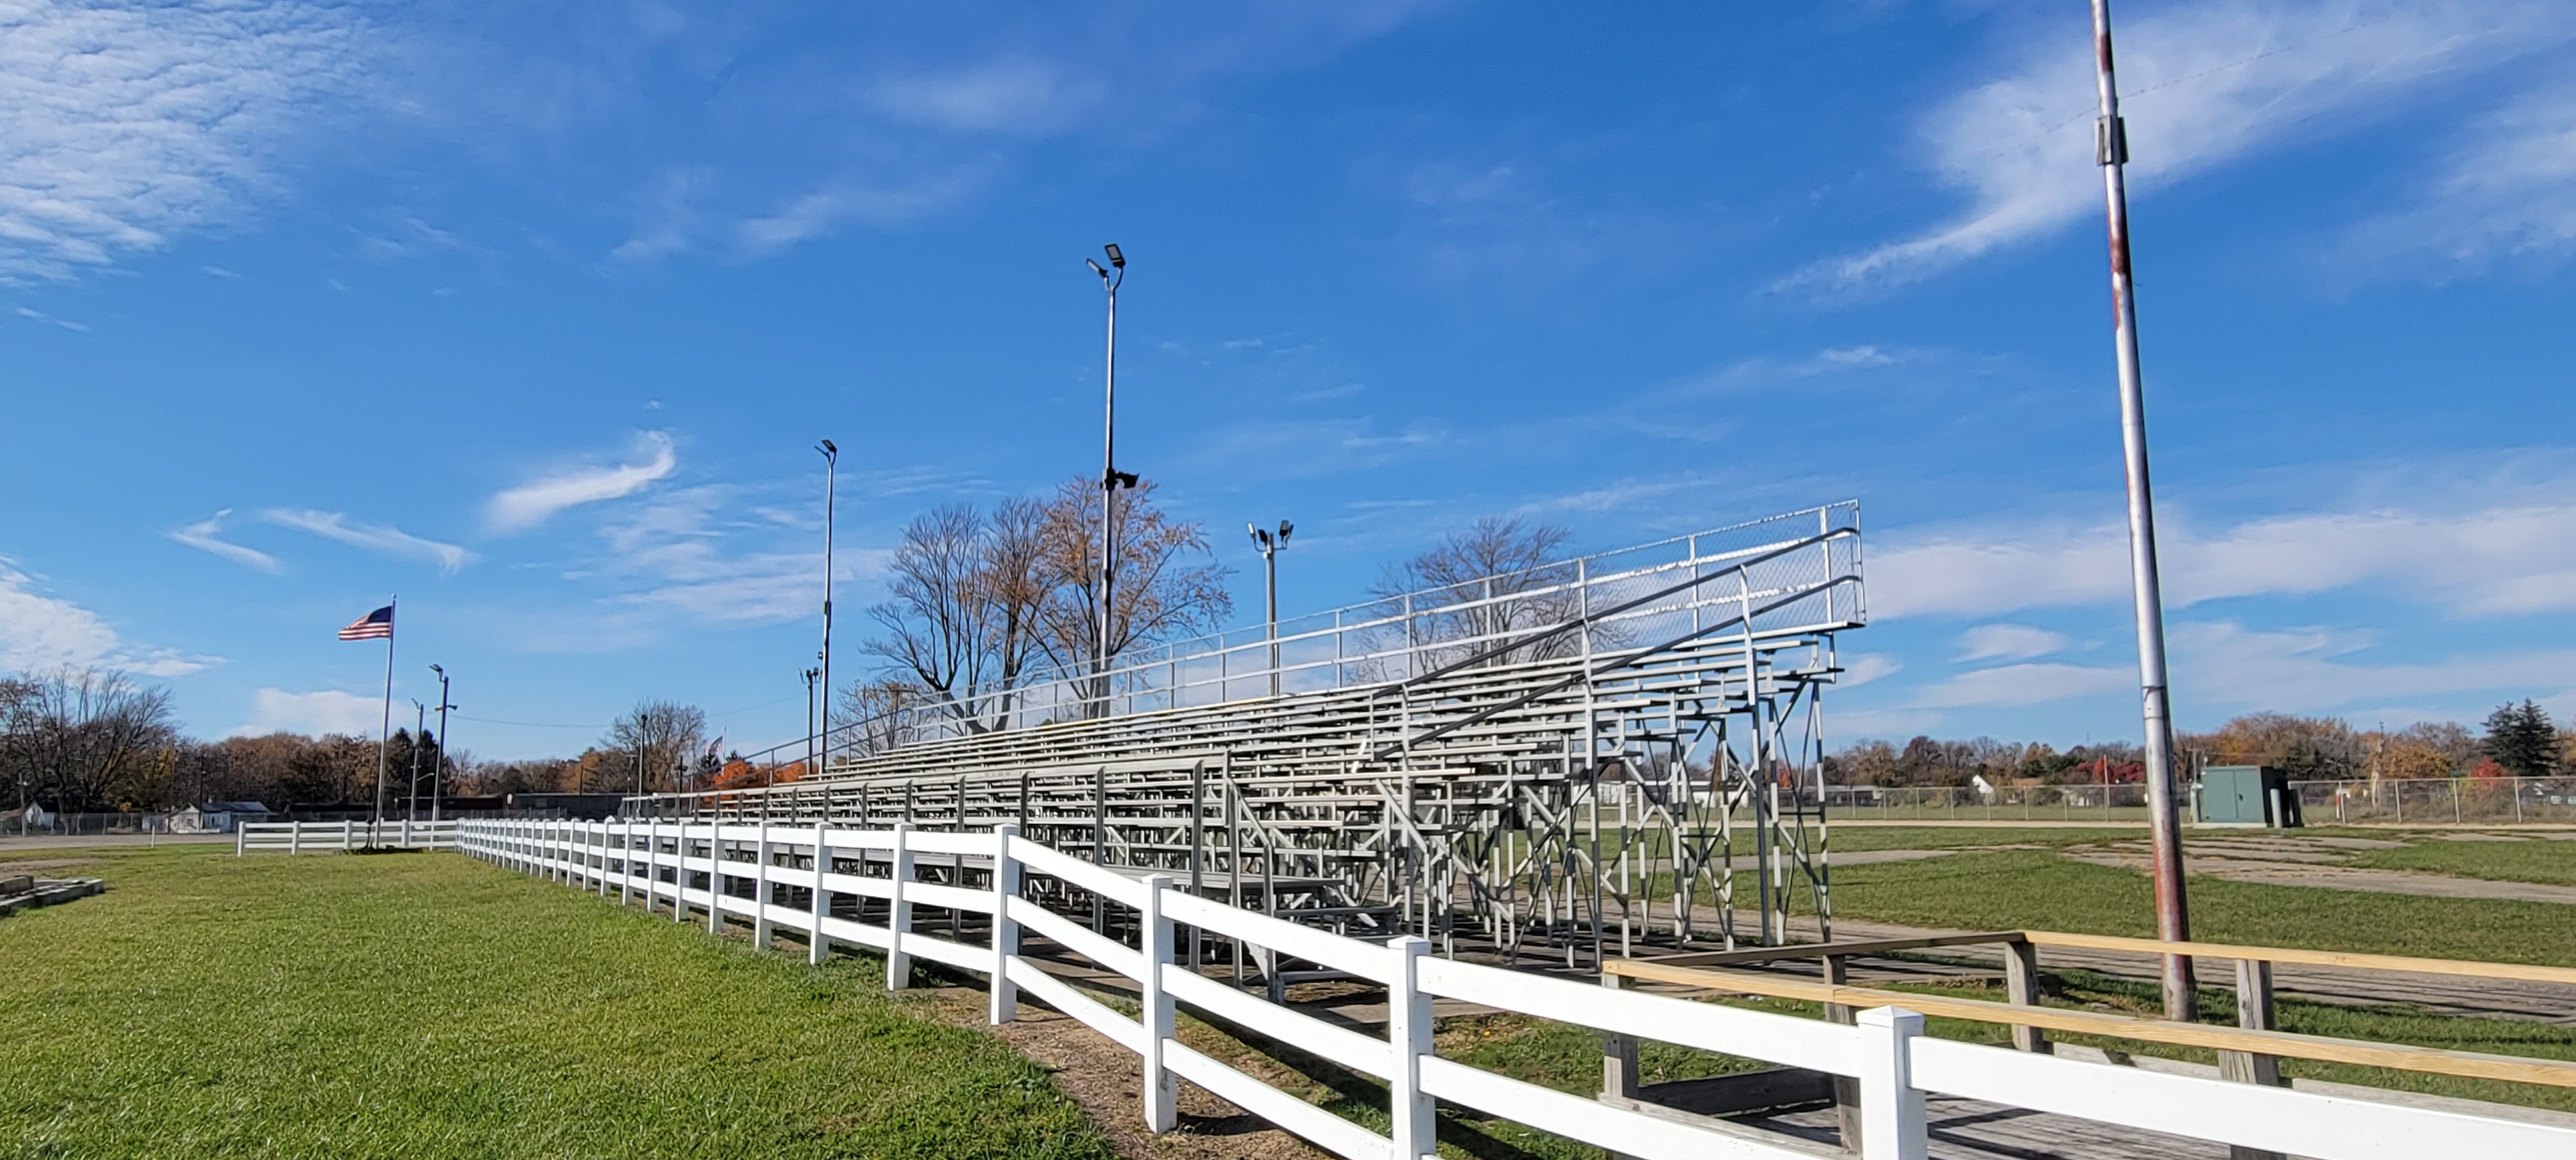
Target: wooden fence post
(2254,1012)
(348,834)
(818,945)
(760,932)
(899,910)
(294,838)
(625,861)
(1847,1113)
(2021,987)
(1162,1094)
(1891,1107)
(1004,994)
(1408,1033)
(241,834)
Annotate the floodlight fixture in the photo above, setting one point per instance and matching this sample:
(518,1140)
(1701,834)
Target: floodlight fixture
(1115,258)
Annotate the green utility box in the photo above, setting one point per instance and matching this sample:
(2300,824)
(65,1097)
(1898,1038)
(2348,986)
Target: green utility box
(2244,795)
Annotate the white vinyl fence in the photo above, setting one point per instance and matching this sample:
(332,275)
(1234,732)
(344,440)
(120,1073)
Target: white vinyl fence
(315,837)
(779,877)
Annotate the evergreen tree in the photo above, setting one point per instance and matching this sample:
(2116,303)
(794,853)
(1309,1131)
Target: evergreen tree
(2523,740)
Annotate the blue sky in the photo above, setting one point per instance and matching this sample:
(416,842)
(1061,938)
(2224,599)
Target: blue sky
(534,315)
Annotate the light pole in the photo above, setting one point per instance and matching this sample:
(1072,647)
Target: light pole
(1271,545)
(443,706)
(419,725)
(1111,479)
(810,675)
(2173,918)
(831,484)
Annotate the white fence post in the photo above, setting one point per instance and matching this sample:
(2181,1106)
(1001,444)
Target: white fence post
(626,863)
(1891,1107)
(715,877)
(1162,1095)
(348,832)
(680,873)
(899,910)
(760,932)
(1408,1032)
(241,834)
(819,945)
(1004,994)
(294,837)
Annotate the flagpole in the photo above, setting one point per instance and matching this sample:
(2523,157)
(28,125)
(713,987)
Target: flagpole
(384,736)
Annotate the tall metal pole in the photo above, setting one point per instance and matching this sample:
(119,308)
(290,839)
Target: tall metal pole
(1271,546)
(809,674)
(419,726)
(831,485)
(385,734)
(1110,479)
(436,770)
(1270,608)
(2173,919)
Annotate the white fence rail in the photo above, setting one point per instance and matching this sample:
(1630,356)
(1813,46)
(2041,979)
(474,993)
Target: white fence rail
(316,837)
(790,877)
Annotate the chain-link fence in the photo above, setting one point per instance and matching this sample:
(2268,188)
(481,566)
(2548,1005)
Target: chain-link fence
(2388,801)
(53,825)
(2440,800)
(1968,803)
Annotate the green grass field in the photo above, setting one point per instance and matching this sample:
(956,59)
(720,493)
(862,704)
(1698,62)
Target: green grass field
(2039,890)
(427,1005)
(2531,860)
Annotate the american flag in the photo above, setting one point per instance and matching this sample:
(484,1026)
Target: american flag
(377,625)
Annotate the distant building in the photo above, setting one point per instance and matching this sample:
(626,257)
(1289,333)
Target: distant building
(218,817)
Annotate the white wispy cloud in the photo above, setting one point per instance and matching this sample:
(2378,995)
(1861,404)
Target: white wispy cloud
(1867,667)
(202,536)
(2508,191)
(2206,84)
(324,712)
(884,138)
(867,203)
(1018,95)
(2035,683)
(2506,559)
(39,632)
(384,538)
(537,501)
(681,554)
(2222,667)
(123,124)
(2008,642)
(2311,670)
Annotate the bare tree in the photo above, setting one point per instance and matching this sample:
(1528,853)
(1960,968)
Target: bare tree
(660,741)
(977,601)
(1168,581)
(960,625)
(88,739)
(1495,582)
(871,716)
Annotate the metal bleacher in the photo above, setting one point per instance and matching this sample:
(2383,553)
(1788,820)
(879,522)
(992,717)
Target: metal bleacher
(1547,761)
